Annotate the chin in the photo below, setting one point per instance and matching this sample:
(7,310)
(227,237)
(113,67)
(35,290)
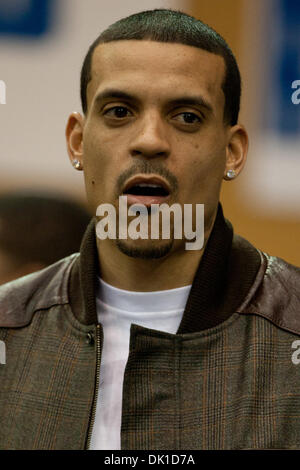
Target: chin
(143,249)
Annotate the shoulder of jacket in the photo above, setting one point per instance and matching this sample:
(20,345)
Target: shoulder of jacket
(275,294)
(21,298)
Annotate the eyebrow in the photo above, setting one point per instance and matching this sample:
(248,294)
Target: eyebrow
(180,101)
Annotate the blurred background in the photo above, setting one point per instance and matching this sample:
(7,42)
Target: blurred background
(42,46)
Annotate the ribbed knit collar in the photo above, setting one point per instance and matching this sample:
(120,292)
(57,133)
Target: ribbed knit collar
(222,280)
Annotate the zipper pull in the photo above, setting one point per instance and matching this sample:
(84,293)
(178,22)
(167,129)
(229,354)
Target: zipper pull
(90,338)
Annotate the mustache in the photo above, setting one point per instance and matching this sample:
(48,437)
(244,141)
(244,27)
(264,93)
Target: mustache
(146,167)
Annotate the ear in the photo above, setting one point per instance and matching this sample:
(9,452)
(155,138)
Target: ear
(236,151)
(74,134)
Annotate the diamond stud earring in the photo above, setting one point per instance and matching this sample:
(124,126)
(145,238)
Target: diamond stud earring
(76,164)
(230,174)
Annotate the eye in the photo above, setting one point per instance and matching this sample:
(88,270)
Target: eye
(188,118)
(118,112)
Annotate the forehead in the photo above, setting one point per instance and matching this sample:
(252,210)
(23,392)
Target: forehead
(156,67)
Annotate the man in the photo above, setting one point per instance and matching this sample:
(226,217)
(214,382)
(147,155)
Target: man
(141,343)
(37,229)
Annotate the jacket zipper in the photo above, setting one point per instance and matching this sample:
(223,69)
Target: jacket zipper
(95,400)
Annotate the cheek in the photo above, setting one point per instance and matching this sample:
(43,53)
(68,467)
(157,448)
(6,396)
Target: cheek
(96,169)
(206,173)
(100,149)
(91,145)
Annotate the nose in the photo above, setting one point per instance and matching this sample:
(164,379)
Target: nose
(150,139)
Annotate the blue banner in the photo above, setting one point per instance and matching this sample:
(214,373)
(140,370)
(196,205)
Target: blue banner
(25,17)
(282,53)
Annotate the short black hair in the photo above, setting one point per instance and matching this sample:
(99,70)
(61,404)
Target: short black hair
(172,26)
(40,227)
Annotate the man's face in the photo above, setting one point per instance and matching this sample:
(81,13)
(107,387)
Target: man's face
(156,109)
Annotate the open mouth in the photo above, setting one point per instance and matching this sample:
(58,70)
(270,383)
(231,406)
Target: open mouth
(146,191)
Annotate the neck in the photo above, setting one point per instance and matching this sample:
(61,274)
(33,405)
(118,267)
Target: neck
(219,287)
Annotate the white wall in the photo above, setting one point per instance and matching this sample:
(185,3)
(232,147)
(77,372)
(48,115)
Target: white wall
(42,89)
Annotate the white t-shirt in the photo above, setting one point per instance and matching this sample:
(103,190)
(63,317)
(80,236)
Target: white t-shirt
(117,309)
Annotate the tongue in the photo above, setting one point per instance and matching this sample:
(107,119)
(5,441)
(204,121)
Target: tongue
(145,200)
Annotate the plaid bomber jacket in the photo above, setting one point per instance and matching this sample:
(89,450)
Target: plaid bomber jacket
(228,379)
